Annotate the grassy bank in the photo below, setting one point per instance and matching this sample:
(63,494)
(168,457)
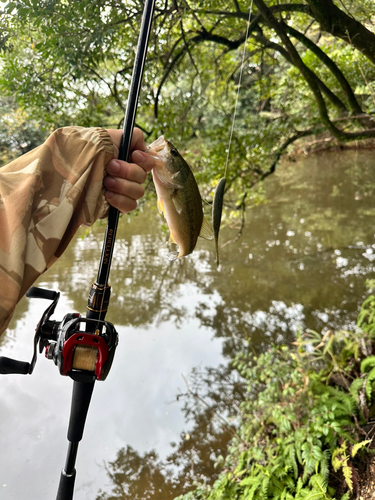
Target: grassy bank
(305,428)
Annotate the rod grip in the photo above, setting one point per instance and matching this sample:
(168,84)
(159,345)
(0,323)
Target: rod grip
(9,365)
(81,397)
(66,486)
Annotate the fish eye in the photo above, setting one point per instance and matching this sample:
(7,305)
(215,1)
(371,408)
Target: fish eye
(174,152)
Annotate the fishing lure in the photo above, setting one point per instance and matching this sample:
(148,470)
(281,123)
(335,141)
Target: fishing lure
(217,210)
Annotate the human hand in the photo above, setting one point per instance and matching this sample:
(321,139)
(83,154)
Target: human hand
(124,180)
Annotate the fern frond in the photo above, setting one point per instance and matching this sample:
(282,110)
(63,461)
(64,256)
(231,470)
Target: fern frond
(299,485)
(358,446)
(367,363)
(251,492)
(264,487)
(347,471)
(339,457)
(317,481)
(370,379)
(251,481)
(344,402)
(291,460)
(324,464)
(356,386)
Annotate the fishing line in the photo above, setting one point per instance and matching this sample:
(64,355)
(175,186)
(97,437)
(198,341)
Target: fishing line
(238,88)
(217,203)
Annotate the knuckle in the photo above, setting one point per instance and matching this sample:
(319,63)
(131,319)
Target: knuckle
(141,191)
(126,170)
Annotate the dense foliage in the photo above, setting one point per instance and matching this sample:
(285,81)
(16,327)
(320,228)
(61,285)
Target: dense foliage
(308,68)
(303,422)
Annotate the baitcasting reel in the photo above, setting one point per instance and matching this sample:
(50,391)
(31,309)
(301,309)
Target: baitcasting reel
(82,348)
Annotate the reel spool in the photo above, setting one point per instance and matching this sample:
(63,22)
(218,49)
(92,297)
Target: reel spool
(84,349)
(85,358)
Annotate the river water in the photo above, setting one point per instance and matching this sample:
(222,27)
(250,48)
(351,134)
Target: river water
(301,263)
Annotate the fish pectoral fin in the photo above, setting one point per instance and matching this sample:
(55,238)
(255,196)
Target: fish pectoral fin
(161,207)
(174,185)
(175,176)
(168,180)
(177,203)
(206,231)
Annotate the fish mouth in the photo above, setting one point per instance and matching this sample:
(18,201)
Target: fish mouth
(158,145)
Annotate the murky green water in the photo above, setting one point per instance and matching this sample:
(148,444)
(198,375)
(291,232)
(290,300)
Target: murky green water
(301,263)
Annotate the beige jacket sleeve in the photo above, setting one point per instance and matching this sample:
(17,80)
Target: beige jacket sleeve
(45,195)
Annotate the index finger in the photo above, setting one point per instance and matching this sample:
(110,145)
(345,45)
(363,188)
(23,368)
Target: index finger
(138,141)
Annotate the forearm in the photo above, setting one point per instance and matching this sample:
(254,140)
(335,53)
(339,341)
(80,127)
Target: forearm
(45,196)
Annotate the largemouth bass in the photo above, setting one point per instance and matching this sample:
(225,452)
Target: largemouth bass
(178,196)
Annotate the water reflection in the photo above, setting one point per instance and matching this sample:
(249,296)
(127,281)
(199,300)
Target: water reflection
(206,402)
(301,263)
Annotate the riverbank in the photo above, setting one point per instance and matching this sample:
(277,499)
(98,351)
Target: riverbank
(306,424)
(326,142)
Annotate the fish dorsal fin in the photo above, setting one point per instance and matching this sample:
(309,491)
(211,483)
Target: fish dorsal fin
(161,207)
(206,231)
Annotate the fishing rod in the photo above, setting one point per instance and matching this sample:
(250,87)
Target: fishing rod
(83,347)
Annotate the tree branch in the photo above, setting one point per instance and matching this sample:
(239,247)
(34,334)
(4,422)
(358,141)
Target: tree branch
(165,77)
(286,7)
(268,44)
(331,65)
(310,80)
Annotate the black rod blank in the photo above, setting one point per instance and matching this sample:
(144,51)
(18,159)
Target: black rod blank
(127,133)
(81,398)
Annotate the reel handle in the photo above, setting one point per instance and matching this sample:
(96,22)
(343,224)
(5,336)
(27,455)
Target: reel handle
(9,365)
(35,292)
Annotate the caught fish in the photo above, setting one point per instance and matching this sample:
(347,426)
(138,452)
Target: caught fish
(217,209)
(178,196)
